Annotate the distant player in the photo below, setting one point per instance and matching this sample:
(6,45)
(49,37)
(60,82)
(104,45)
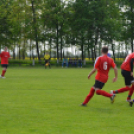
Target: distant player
(47,59)
(102,65)
(4,61)
(127,73)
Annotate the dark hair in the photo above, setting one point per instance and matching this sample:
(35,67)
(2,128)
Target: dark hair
(104,49)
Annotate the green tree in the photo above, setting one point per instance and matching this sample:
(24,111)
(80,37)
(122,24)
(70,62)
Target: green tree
(127,7)
(54,16)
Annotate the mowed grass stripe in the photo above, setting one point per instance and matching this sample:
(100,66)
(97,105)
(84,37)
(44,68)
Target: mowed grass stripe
(39,101)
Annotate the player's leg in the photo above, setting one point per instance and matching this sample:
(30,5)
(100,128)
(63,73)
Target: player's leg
(129,95)
(89,96)
(131,92)
(91,93)
(127,79)
(4,66)
(103,93)
(45,63)
(121,90)
(49,63)
(99,85)
(131,89)
(106,94)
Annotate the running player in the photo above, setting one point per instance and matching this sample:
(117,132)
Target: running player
(102,65)
(4,61)
(127,73)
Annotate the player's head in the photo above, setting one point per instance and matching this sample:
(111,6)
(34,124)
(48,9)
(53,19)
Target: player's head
(5,49)
(104,50)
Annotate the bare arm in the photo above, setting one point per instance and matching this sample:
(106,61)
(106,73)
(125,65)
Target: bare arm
(92,72)
(116,74)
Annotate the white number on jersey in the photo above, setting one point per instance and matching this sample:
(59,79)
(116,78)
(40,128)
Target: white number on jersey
(105,65)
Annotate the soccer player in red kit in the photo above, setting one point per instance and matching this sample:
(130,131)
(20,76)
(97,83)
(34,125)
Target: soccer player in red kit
(102,65)
(4,61)
(127,73)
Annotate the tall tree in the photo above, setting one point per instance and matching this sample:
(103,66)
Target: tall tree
(128,21)
(54,18)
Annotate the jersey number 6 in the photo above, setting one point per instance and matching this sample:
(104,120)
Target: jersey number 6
(105,65)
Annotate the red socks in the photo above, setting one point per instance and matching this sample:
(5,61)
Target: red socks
(121,90)
(3,73)
(103,93)
(99,92)
(106,94)
(90,95)
(130,92)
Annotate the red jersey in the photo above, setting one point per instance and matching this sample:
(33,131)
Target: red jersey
(103,65)
(126,64)
(4,57)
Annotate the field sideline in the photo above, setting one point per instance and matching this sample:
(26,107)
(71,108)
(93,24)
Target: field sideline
(39,101)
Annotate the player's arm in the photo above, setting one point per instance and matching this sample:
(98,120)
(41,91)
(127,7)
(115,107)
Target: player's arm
(116,74)
(96,65)
(131,65)
(91,73)
(113,65)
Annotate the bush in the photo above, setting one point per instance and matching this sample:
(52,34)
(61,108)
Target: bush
(53,62)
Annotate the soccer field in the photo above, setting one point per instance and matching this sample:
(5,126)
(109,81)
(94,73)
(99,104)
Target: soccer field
(39,101)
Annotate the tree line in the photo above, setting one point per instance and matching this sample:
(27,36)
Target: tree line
(29,25)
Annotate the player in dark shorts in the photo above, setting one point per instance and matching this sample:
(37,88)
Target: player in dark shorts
(102,65)
(47,60)
(4,61)
(127,73)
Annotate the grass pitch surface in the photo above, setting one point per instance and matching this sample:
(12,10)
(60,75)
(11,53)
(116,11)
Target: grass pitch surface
(39,101)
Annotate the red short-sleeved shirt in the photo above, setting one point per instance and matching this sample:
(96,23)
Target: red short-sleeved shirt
(126,64)
(4,57)
(103,65)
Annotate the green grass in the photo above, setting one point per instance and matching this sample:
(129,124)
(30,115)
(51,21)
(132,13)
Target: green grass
(39,101)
